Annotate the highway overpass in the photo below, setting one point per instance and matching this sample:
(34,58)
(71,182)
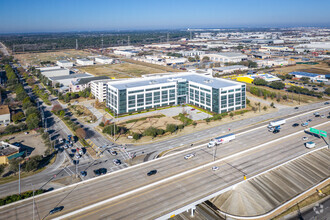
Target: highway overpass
(179,183)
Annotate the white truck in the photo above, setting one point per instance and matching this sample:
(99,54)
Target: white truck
(221,140)
(276,123)
(310,144)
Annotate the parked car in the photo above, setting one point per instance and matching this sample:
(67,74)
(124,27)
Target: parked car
(309,120)
(322,116)
(296,107)
(276,131)
(56,209)
(327,103)
(152,172)
(305,138)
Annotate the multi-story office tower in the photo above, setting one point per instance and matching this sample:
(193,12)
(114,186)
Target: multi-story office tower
(213,94)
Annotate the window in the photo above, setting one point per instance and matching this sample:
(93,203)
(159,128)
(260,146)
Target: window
(223,92)
(131,97)
(153,89)
(136,91)
(237,90)
(167,87)
(231,90)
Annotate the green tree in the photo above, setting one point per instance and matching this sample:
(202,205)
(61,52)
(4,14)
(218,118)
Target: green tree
(32,121)
(136,136)
(206,59)
(277,85)
(151,131)
(17,117)
(191,59)
(327,91)
(259,82)
(171,128)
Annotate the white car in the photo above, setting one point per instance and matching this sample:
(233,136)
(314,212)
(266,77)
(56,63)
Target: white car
(305,138)
(189,156)
(322,116)
(215,168)
(310,144)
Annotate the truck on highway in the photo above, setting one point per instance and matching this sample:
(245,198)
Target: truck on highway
(310,144)
(221,140)
(276,123)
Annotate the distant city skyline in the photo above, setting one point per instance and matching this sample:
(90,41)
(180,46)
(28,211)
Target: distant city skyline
(19,16)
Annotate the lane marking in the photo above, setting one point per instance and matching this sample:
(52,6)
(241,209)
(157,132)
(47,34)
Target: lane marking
(178,175)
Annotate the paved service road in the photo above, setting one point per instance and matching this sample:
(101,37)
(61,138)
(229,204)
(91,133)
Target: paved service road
(172,192)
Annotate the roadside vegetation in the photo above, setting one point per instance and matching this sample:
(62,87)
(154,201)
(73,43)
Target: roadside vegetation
(16,197)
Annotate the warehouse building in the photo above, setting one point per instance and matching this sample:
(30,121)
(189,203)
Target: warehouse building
(64,63)
(312,76)
(213,94)
(54,71)
(66,80)
(229,69)
(103,60)
(226,57)
(84,62)
(191,53)
(83,83)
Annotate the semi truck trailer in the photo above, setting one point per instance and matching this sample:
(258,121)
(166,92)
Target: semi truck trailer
(221,140)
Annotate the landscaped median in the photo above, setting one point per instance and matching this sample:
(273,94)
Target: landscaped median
(16,197)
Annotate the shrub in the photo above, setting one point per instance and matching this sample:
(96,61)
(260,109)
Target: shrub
(101,124)
(151,131)
(136,136)
(171,128)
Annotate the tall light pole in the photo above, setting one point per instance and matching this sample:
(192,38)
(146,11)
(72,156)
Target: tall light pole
(32,201)
(19,178)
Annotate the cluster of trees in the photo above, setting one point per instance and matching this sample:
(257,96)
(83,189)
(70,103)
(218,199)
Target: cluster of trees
(194,59)
(75,95)
(55,41)
(171,54)
(17,197)
(248,63)
(42,94)
(274,85)
(33,163)
(58,110)
(264,92)
(284,77)
(327,91)
(304,91)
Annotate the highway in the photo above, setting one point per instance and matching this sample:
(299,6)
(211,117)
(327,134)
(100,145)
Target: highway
(131,178)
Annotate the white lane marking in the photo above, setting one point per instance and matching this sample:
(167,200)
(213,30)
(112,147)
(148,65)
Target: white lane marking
(176,176)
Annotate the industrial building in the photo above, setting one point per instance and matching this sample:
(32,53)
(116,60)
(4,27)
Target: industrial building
(213,94)
(103,60)
(191,53)
(226,57)
(83,83)
(229,69)
(85,62)
(272,62)
(64,63)
(312,76)
(66,80)
(4,114)
(126,53)
(250,77)
(54,71)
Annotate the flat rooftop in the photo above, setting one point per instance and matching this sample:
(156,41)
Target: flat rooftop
(229,67)
(63,61)
(71,76)
(207,81)
(7,149)
(4,109)
(84,59)
(304,74)
(231,54)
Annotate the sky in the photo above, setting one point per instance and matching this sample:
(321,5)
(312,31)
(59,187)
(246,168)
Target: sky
(25,16)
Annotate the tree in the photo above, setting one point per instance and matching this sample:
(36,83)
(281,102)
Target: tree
(81,133)
(191,59)
(14,163)
(32,121)
(171,128)
(259,82)
(17,117)
(206,59)
(31,110)
(136,136)
(151,131)
(57,85)
(277,85)
(327,91)
(30,81)
(56,108)
(305,79)
(197,58)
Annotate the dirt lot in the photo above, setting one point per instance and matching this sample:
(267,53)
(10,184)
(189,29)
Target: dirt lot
(159,123)
(32,142)
(321,68)
(121,70)
(155,66)
(36,58)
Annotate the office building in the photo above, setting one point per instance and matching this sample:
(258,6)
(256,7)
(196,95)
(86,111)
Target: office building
(312,76)
(214,94)
(83,83)
(99,89)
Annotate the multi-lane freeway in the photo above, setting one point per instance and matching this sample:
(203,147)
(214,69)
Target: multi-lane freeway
(134,195)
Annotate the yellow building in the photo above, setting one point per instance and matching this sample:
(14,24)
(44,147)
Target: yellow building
(7,151)
(245,79)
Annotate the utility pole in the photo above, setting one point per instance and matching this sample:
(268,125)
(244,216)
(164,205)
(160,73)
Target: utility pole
(76,44)
(128,41)
(190,35)
(19,178)
(102,44)
(33,202)
(168,37)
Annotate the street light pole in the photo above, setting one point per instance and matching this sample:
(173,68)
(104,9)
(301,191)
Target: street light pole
(19,178)
(32,202)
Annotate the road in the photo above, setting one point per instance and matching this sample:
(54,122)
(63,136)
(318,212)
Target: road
(132,178)
(3,49)
(153,149)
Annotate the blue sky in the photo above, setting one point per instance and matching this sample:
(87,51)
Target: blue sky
(87,15)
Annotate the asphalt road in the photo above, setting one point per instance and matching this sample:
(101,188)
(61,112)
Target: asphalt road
(129,179)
